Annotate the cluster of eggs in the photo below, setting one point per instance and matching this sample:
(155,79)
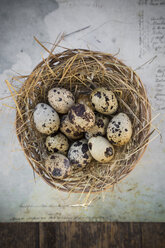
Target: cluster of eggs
(77,129)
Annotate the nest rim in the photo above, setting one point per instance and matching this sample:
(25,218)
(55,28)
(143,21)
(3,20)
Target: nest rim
(39,170)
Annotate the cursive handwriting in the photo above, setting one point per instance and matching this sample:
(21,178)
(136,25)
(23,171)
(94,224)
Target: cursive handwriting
(158,34)
(152,2)
(160,88)
(54,217)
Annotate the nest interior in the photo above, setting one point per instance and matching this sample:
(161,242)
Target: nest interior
(81,71)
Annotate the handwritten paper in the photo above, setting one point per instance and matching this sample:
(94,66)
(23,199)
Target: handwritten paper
(136,31)
(160,88)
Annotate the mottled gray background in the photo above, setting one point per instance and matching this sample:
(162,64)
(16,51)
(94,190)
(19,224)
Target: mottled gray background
(137,28)
(20,20)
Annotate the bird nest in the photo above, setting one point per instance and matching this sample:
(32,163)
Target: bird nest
(81,71)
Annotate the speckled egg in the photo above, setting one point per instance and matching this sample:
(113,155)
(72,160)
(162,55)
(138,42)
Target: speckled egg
(99,128)
(104,101)
(101,149)
(119,130)
(46,119)
(69,129)
(58,165)
(57,143)
(85,99)
(79,154)
(82,117)
(61,99)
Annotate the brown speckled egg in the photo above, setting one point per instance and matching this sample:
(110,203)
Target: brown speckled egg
(46,119)
(101,149)
(79,154)
(100,127)
(61,99)
(119,130)
(69,129)
(82,117)
(104,101)
(57,165)
(57,143)
(85,99)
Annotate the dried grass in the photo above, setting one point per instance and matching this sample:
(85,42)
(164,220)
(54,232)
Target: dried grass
(81,71)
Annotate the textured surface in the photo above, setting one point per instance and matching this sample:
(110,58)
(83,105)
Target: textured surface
(19,235)
(138,29)
(91,235)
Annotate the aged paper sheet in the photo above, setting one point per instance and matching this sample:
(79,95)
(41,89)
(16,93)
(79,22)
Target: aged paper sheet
(133,29)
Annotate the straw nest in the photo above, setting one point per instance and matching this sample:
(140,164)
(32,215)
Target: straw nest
(81,71)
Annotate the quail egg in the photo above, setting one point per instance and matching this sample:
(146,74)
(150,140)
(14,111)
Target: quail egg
(57,143)
(100,127)
(81,116)
(119,130)
(79,154)
(61,99)
(101,149)
(69,129)
(46,119)
(104,101)
(58,165)
(85,99)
